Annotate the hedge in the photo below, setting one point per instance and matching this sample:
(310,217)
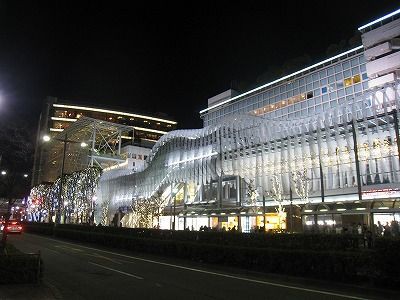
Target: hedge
(315,242)
(17,267)
(333,257)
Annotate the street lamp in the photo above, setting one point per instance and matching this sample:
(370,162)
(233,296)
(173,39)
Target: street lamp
(47,138)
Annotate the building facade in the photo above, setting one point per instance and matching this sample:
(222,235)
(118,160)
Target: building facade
(58,115)
(317,149)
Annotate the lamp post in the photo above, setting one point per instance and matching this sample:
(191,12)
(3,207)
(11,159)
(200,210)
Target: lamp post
(46,138)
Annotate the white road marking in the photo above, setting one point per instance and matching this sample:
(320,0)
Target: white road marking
(214,273)
(118,271)
(104,257)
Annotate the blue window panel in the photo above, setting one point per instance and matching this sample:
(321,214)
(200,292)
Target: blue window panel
(317,100)
(341,100)
(301,81)
(304,104)
(316,85)
(338,68)
(347,73)
(304,112)
(355,71)
(290,94)
(296,84)
(310,102)
(331,71)
(302,89)
(332,95)
(339,84)
(309,87)
(308,79)
(363,68)
(333,103)
(364,76)
(349,90)
(297,106)
(322,74)
(331,79)
(324,89)
(354,62)
(318,108)
(317,92)
(339,76)
(346,65)
(340,93)
(365,85)
(326,106)
(325,98)
(357,88)
(324,81)
(315,76)
(361,58)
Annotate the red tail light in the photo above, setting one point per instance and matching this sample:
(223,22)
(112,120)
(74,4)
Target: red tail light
(20,227)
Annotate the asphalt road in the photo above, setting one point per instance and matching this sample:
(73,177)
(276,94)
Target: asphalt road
(84,271)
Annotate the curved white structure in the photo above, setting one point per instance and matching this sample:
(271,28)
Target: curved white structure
(353,147)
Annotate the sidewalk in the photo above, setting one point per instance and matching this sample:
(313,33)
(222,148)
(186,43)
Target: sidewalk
(32,291)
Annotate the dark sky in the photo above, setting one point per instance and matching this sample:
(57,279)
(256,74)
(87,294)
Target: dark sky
(158,57)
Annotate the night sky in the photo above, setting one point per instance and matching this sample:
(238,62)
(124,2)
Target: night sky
(158,57)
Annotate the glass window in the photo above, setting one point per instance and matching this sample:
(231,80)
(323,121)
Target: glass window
(302,89)
(315,76)
(304,104)
(338,68)
(355,71)
(326,106)
(318,108)
(364,76)
(348,82)
(354,62)
(331,71)
(333,103)
(332,95)
(356,79)
(324,81)
(347,73)
(317,100)
(349,90)
(324,89)
(296,84)
(317,92)
(339,76)
(309,87)
(311,102)
(357,88)
(316,85)
(363,68)
(346,65)
(325,98)
(340,93)
(339,84)
(322,73)
(331,79)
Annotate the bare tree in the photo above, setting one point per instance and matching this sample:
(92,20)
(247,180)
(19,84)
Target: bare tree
(276,193)
(301,184)
(252,194)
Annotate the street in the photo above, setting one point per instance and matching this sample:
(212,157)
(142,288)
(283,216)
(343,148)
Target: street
(83,271)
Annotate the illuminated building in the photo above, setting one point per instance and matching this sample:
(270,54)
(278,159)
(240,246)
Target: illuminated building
(58,115)
(322,144)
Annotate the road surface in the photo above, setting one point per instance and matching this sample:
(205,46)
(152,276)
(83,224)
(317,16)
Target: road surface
(84,271)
